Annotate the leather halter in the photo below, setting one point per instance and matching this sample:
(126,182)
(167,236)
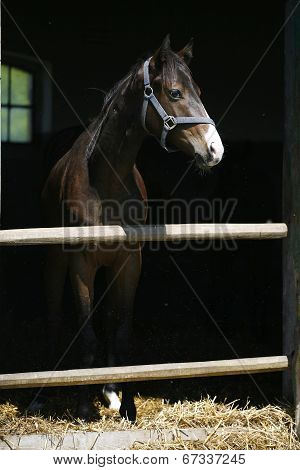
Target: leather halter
(169,122)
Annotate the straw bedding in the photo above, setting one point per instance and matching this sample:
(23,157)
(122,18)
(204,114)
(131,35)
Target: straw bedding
(233,426)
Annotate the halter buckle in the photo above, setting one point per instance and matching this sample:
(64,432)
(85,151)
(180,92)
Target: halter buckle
(148,91)
(169,122)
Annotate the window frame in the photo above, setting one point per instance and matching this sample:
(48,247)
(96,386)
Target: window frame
(11,64)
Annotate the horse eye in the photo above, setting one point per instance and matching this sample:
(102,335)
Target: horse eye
(175,94)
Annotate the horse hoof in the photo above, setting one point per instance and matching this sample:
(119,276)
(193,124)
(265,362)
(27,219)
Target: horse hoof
(85,412)
(128,412)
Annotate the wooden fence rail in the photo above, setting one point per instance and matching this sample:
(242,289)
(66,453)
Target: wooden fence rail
(144,372)
(117,233)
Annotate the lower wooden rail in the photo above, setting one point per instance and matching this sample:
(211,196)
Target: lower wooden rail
(252,365)
(118,233)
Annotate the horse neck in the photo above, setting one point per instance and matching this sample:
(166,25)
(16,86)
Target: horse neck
(112,162)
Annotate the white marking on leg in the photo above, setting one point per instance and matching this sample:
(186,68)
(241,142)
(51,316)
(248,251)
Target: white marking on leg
(112,399)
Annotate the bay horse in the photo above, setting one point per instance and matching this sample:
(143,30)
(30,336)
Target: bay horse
(158,97)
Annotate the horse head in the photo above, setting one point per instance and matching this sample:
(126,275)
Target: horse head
(177,117)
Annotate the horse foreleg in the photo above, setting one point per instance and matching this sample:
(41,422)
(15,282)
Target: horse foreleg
(82,274)
(124,276)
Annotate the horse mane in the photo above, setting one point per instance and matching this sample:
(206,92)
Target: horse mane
(171,64)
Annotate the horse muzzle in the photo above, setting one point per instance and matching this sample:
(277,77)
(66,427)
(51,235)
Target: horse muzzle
(212,154)
(209,159)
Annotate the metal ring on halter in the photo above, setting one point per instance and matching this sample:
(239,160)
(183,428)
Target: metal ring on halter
(148,91)
(170,122)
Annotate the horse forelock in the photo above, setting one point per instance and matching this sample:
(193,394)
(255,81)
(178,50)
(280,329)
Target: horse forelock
(174,67)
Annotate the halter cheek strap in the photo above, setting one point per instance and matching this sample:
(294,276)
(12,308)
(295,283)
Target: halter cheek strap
(169,122)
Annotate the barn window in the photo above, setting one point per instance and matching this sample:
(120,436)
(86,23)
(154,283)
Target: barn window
(17,105)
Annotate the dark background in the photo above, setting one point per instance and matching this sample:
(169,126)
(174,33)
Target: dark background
(92,45)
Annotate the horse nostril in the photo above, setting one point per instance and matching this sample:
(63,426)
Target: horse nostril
(212,148)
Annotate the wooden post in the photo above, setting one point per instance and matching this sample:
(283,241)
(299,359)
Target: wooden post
(291,208)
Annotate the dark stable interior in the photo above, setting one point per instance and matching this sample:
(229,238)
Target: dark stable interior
(239,283)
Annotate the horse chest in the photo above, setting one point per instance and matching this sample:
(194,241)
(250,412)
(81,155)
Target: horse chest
(99,254)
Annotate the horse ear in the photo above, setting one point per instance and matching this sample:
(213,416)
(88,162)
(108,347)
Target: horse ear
(187,52)
(165,45)
(159,55)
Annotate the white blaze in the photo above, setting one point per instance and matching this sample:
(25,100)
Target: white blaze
(214,145)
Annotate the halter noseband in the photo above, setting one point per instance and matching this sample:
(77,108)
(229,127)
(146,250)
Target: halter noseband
(169,122)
